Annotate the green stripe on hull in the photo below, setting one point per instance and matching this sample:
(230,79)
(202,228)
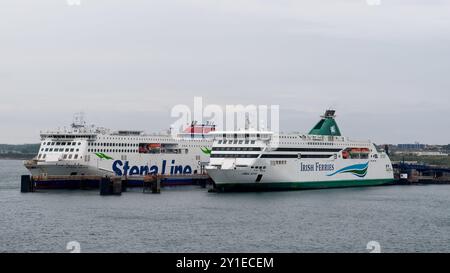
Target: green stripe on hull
(300,185)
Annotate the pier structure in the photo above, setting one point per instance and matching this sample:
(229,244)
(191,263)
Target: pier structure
(413,173)
(109,185)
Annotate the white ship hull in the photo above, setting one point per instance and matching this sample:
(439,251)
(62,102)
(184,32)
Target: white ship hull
(89,151)
(260,160)
(164,165)
(291,176)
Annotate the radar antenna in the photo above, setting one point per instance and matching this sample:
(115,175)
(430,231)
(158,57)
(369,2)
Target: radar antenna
(247,121)
(330,113)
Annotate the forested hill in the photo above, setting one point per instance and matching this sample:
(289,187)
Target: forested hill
(21,151)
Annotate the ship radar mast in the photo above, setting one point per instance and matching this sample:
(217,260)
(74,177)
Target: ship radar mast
(329,114)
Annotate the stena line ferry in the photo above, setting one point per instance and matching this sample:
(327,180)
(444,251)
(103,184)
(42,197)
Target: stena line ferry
(85,151)
(261,160)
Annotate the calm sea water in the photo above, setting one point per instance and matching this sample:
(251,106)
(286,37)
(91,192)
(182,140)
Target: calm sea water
(189,219)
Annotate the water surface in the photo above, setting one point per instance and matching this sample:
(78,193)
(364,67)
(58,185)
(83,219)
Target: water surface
(189,219)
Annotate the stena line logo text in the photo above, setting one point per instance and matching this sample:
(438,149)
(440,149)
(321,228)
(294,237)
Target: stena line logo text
(317,167)
(121,168)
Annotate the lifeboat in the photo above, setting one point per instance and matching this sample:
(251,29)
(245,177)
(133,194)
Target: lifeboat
(345,154)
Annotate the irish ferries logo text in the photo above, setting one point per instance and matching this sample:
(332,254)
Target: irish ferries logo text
(317,167)
(359,170)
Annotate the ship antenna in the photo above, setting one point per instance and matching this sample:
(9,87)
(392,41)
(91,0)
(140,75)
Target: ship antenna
(247,121)
(79,120)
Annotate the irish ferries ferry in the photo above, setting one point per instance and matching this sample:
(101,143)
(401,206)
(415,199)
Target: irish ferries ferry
(261,160)
(82,150)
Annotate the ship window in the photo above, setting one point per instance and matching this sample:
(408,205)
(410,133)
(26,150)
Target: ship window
(51,149)
(77,150)
(46,149)
(44,156)
(252,142)
(67,149)
(53,143)
(72,150)
(58,143)
(65,156)
(70,156)
(61,149)
(39,156)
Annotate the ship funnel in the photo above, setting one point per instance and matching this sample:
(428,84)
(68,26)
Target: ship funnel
(327,126)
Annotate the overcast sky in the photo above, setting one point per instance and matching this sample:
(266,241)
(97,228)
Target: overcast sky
(385,68)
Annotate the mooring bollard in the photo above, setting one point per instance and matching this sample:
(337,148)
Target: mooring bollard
(26,184)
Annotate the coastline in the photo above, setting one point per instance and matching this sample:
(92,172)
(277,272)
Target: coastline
(16,156)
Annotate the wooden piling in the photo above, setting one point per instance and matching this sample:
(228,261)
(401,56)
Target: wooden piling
(124,184)
(27,184)
(104,186)
(116,185)
(156,185)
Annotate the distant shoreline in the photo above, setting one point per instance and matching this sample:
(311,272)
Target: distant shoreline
(17,156)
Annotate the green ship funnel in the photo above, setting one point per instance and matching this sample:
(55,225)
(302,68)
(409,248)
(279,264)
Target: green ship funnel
(327,126)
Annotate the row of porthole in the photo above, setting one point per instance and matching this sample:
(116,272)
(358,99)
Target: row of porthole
(59,150)
(60,143)
(236,142)
(95,144)
(111,151)
(65,156)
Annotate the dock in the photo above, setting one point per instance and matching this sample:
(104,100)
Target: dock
(111,184)
(412,173)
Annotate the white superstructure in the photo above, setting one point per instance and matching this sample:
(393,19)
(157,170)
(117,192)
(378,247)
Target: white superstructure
(259,160)
(88,150)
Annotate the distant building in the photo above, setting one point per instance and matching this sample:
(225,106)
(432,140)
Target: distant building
(430,154)
(415,146)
